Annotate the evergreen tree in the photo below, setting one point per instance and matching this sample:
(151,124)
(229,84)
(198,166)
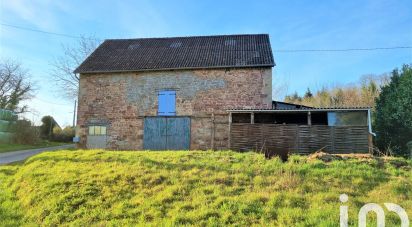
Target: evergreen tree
(47,127)
(295,98)
(308,94)
(393,117)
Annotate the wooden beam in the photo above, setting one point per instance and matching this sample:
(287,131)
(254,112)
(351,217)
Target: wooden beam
(230,131)
(309,118)
(252,118)
(370,143)
(213,132)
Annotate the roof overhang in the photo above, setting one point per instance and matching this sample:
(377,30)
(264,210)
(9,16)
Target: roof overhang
(172,69)
(298,110)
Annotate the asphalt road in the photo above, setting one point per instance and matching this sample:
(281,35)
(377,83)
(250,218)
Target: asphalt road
(15,156)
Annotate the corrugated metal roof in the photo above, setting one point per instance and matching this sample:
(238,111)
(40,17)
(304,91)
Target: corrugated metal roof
(276,104)
(303,109)
(222,51)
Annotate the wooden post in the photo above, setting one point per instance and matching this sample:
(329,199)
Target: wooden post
(370,143)
(297,150)
(252,118)
(230,130)
(309,118)
(213,131)
(332,137)
(74,113)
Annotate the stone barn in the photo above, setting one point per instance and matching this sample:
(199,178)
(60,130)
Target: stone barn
(171,93)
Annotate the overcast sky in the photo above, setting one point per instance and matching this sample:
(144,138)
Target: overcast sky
(299,25)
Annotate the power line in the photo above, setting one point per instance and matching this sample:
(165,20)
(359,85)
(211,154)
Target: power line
(46,32)
(53,103)
(345,50)
(275,50)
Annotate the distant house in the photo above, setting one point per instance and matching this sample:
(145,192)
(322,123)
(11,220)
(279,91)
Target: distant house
(286,105)
(199,92)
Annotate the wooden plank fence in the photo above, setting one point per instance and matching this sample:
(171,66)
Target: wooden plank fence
(302,139)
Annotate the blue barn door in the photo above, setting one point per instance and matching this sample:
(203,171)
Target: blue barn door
(178,133)
(166,133)
(154,136)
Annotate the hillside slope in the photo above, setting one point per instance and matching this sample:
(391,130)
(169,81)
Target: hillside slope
(103,188)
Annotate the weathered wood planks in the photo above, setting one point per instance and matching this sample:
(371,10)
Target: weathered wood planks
(302,139)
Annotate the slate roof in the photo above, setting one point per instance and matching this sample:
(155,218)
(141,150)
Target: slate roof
(222,51)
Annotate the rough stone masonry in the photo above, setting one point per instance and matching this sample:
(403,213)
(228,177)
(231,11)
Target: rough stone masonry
(120,101)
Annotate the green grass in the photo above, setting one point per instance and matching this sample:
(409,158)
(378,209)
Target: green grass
(16,147)
(109,188)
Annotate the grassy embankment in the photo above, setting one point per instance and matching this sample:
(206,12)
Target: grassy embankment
(16,147)
(83,188)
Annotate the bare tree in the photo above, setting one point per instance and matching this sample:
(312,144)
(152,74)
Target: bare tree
(280,89)
(15,86)
(64,65)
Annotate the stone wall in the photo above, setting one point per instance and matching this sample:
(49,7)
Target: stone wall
(122,100)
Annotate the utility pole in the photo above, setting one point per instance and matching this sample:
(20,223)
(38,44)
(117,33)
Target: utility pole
(74,113)
(51,128)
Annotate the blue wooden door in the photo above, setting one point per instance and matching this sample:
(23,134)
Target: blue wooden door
(178,133)
(166,133)
(154,136)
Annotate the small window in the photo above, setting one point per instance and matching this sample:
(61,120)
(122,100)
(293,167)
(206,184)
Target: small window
(230,42)
(91,130)
(133,46)
(176,44)
(355,118)
(256,54)
(167,103)
(103,130)
(97,130)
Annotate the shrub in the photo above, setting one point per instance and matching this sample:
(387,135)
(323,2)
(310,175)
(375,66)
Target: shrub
(65,135)
(46,129)
(25,133)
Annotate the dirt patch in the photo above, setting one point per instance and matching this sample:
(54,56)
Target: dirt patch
(398,163)
(326,157)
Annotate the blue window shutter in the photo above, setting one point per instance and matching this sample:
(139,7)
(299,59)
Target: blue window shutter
(167,103)
(171,101)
